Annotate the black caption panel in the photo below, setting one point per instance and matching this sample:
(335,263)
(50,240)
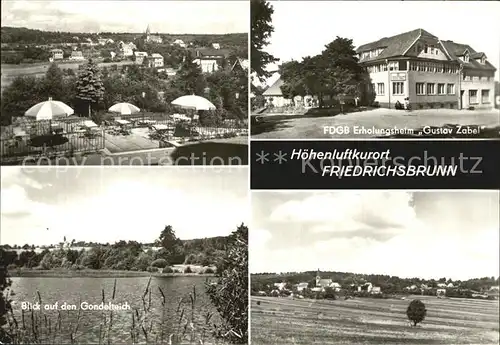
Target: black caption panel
(388,164)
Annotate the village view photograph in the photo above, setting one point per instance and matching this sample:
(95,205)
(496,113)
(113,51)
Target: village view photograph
(124,82)
(117,255)
(370,267)
(422,73)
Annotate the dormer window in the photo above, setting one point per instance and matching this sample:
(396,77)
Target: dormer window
(466,56)
(483,60)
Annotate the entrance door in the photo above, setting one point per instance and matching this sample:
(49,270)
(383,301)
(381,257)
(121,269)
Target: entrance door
(461,99)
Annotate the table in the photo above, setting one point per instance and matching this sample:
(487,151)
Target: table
(123,122)
(89,124)
(161,127)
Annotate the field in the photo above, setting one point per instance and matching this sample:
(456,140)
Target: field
(372,321)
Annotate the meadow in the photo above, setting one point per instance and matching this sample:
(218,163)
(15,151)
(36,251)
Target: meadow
(372,321)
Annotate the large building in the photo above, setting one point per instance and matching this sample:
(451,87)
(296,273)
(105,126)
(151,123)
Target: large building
(156,60)
(209,60)
(431,72)
(152,38)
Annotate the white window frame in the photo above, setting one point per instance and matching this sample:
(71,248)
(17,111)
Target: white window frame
(470,97)
(452,87)
(422,93)
(381,89)
(482,97)
(444,89)
(400,92)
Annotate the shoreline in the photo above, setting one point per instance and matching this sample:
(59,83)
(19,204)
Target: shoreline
(97,274)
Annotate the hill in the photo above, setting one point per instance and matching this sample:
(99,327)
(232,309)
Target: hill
(16,35)
(388,284)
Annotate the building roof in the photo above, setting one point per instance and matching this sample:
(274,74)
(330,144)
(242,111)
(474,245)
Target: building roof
(156,56)
(325,281)
(274,89)
(395,45)
(244,63)
(398,45)
(455,50)
(206,52)
(140,54)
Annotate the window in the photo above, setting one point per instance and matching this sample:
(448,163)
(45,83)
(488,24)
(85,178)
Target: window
(373,88)
(483,60)
(451,89)
(472,96)
(485,96)
(441,89)
(397,88)
(380,89)
(420,89)
(466,57)
(426,49)
(430,89)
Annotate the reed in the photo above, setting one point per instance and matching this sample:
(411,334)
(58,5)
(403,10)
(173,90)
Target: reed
(154,322)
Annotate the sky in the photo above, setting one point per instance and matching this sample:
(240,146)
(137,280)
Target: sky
(420,234)
(112,204)
(303,28)
(174,17)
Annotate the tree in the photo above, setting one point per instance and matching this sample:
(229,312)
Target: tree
(5,303)
(229,293)
(52,85)
(190,79)
(416,311)
(22,94)
(291,74)
(160,263)
(261,12)
(90,89)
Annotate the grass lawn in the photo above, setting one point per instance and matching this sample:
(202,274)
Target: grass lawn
(372,321)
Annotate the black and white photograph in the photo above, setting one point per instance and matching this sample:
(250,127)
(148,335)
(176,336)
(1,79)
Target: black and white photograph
(375,69)
(124,82)
(375,267)
(116,255)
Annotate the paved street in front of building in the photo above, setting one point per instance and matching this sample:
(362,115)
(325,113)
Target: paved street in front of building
(293,127)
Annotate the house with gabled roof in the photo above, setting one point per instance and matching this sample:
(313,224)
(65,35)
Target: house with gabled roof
(431,72)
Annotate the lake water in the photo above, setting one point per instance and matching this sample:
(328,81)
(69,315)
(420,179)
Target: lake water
(73,291)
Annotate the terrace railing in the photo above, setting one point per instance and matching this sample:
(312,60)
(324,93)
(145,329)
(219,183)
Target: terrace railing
(30,139)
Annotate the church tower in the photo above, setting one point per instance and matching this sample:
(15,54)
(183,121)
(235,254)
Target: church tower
(148,32)
(318,278)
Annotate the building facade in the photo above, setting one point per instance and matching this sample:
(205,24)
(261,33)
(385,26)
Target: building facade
(156,60)
(430,72)
(209,61)
(77,56)
(57,54)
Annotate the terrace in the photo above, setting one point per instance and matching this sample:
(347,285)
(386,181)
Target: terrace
(113,135)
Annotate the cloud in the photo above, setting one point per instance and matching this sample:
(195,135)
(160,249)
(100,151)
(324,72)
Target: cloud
(348,211)
(128,16)
(258,238)
(421,234)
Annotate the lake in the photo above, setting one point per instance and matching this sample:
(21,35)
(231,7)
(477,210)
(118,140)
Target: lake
(176,316)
